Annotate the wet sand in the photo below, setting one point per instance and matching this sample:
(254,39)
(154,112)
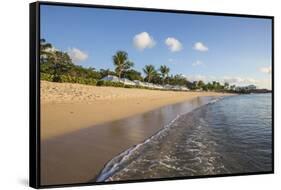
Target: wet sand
(67,107)
(83,127)
(79,156)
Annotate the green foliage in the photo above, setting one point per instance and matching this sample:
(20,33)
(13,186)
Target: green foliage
(164,70)
(200,84)
(128,86)
(193,85)
(67,78)
(232,87)
(177,80)
(132,75)
(45,76)
(57,78)
(105,72)
(121,62)
(150,72)
(57,66)
(226,86)
(205,88)
(45,50)
(80,80)
(109,83)
(157,79)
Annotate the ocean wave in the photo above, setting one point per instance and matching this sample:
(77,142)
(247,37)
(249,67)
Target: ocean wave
(114,165)
(121,161)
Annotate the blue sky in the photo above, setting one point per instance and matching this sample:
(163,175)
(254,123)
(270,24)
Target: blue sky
(227,49)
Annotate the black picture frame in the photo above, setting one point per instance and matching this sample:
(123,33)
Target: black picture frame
(34,91)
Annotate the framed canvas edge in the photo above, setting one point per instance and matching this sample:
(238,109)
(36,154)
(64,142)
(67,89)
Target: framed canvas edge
(34,97)
(34,92)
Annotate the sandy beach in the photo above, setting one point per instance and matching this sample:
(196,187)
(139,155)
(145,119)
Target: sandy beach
(83,127)
(67,107)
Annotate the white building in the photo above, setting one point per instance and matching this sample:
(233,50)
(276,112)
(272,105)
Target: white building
(111,78)
(168,87)
(183,88)
(139,83)
(251,87)
(150,85)
(127,82)
(176,87)
(159,86)
(246,88)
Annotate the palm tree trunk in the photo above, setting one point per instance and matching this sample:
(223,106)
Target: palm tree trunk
(119,76)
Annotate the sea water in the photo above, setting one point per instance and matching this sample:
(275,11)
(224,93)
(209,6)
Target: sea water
(229,135)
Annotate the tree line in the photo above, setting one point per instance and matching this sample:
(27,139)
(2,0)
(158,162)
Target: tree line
(57,66)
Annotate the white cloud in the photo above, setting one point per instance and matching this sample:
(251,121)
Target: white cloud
(143,40)
(265,83)
(199,46)
(173,44)
(77,55)
(232,80)
(239,80)
(197,63)
(265,69)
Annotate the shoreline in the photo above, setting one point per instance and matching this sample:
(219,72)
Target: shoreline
(78,154)
(75,106)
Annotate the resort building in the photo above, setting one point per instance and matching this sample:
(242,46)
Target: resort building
(184,88)
(125,81)
(251,87)
(111,78)
(139,83)
(167,86)
(246,88)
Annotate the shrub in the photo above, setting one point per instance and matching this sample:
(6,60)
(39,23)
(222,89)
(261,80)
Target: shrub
(45,76)
(80,80)
(57,78)
(66,78)
(100,83)
(128,86)
(109,83)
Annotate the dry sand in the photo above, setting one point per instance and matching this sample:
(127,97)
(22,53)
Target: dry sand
(67,107)
(83,127)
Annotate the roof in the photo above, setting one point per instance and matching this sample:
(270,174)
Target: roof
(127,81)
(111,78)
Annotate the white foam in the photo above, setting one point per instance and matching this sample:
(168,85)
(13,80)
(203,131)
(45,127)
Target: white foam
(115,164)
(112,166)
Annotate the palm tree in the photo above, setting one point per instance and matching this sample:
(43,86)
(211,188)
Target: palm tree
(226,85)
(150,72)
(200,84)
(164,72)
(121,62)
(44,45)
(61,64)
(45,52)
